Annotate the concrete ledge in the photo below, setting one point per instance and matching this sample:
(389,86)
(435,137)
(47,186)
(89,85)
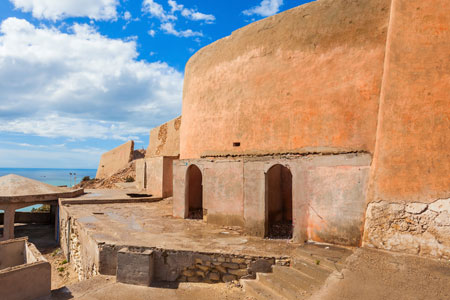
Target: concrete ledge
(40,198)
(135,267)
(108,201)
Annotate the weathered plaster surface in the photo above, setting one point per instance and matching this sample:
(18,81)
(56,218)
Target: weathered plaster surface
(322,61)
(155,175)
(328,192)
(165,139)
(412,157)
(24,272)
(414,227)
(115,160)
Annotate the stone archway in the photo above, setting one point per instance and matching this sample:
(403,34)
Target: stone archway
(194,192)
(278,221)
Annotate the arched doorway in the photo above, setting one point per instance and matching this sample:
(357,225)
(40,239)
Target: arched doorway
(279,202)
(194,192)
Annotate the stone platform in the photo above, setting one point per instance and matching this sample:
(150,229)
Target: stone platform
(184,250)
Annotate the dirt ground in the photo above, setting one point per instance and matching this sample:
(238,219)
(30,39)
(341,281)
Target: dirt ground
(106,288)
(372,275)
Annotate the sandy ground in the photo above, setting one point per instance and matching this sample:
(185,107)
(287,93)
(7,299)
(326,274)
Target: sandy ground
(105,288)
(374,275)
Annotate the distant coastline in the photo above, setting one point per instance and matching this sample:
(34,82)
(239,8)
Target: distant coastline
(57,177)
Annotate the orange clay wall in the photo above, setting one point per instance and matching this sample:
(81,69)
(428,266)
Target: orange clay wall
(412,157)
(306,80)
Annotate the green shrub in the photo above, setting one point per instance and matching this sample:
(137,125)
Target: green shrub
(129,179)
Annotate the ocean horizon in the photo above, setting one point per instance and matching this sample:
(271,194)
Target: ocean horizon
(53,176)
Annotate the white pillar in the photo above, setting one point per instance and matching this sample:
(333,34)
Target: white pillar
(8,223)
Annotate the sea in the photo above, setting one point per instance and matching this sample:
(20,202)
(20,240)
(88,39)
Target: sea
(57,177)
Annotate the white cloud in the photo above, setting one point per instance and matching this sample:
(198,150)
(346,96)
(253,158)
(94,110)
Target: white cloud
(169,28)
(59,9)
(168,19)
(152,32)
(197,16)
(156,10)
(175,6)
(265,8)
(80,84)
(127,15)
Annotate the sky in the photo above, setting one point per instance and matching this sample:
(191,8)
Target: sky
(81,77)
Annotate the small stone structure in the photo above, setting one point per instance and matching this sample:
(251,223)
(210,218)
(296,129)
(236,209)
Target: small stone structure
(154,174)
(115,160)
(135,267)
(24,272)
(17,192)
(326,201)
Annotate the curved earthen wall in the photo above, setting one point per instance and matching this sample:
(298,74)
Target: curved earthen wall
(306,80)
(412,157)
(409,209)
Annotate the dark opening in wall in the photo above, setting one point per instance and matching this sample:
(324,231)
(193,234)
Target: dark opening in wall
(279,202)
(194,192)
(236,144)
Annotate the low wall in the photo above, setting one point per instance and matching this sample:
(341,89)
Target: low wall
(328,194)
(12,253)
(26,281)
(24,272)
(29,218)
(79,249)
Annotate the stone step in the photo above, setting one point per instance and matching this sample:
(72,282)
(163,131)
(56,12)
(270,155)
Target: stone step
(318,273)
(258,290)
(289,282)
(331,263)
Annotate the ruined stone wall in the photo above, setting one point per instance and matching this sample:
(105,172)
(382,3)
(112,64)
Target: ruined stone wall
(410,183)
(305,80)
(79,249)
(115,160)
(165,139)
(188,266)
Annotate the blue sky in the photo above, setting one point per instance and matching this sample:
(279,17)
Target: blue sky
(80,77)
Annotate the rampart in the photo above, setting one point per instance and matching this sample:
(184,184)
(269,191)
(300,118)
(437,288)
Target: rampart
(115,160)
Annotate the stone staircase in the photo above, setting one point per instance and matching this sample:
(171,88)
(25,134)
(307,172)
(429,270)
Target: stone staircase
(309,270)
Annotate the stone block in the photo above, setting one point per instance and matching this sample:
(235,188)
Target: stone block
(416,208)
(229,265)
(261,266)
(239,273)
(221,269)
(135,267)
(214,276)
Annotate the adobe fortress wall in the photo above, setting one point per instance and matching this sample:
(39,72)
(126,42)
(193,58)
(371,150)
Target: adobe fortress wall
(165,139)
(115,160)
(305,80)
